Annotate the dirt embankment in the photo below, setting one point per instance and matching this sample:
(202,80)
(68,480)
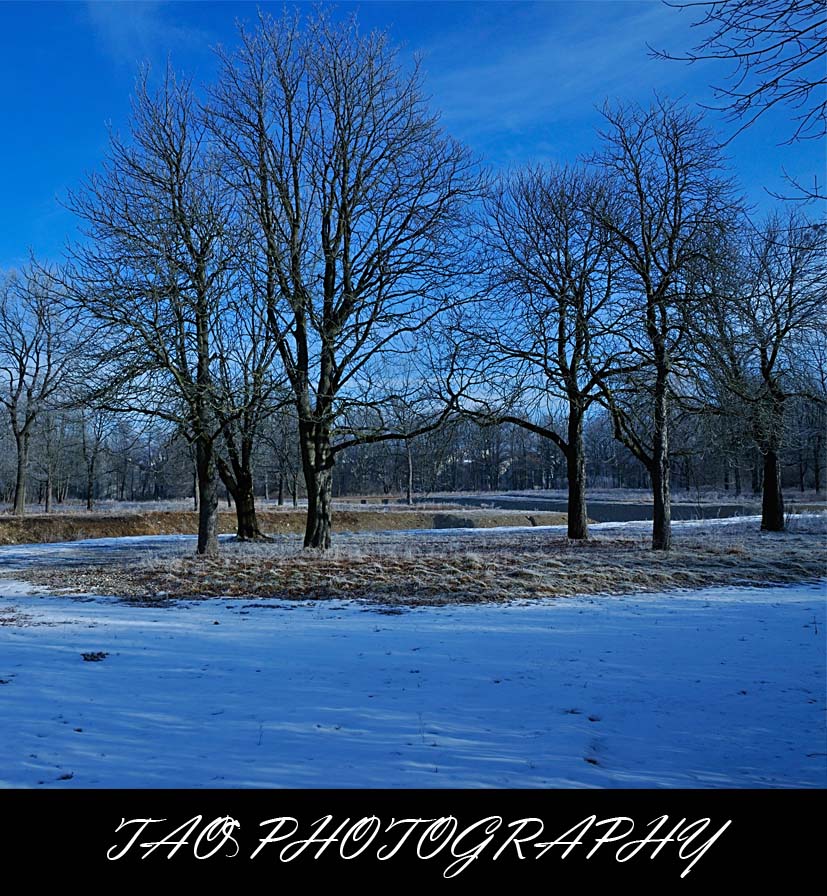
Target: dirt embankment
(42,528)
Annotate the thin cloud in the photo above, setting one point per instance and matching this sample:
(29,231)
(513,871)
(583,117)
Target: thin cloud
(554,61)
(133,32)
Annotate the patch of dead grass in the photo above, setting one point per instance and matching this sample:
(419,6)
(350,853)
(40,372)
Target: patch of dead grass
(463,569)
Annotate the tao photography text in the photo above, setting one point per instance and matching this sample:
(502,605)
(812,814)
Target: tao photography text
(445,841)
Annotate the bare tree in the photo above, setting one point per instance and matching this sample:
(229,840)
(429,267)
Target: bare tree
(123,441)
(358,198)
(754,320)
(157,270)
(669,195)
(778,47)
(542,328)
(94,428)
(36,353)
(811,355)
(50,444)
(249,388)
(279,436)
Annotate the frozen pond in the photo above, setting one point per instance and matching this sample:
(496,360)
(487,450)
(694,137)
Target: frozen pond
(604,511)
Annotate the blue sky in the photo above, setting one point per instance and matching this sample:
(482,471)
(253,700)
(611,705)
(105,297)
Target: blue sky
(517,81)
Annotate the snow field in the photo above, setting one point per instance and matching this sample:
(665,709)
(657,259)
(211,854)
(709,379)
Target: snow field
(723,687)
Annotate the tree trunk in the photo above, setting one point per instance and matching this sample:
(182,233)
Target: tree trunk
(319,516)
(772,503)
(239,484)
(659,475)
(578,520)
(90,485)
(662,508)
(208,499)
(495,480)
(22,470)
(817,465)
(409,489)
(49,490)
(317,463)
(245,509)
(280,499)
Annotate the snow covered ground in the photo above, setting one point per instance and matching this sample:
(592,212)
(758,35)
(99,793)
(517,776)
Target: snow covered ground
(715,688)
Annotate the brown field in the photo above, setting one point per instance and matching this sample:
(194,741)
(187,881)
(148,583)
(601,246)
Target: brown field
(462,569)
(42,528)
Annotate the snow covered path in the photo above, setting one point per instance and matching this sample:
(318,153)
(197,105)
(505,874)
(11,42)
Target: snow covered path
(717,688)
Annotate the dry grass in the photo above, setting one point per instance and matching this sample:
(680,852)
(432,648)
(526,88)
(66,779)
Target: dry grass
(42,528)
(464,569)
